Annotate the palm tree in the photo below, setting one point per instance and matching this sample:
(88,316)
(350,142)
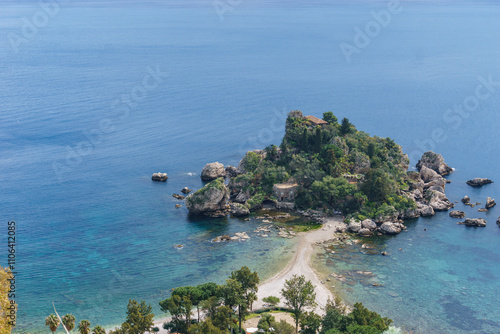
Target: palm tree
(84,327)
(98,330)
(69,322)
(53,322)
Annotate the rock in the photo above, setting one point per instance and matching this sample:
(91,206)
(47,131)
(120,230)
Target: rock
(368,224)
(354,226)
(428,174)
(239,210)
(231,171)
(213,170)
(476,222)
(177,206)
(457,214)
(162,177)
(490,203)
(186,190)
(435,162)
(341,228)
(498,221)
(242,197)
(389,228)
(425,210)
(438,201)
(466,199)
(410,214)
(221,238)
(179,197)
(364,232)
(482,210)
(211,200)
(478,182)
(384,253)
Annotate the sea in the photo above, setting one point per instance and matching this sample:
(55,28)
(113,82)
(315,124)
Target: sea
(95,96)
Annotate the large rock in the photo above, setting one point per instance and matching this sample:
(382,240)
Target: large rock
(438,201)
(368,224)
(390,228)
(435,162)
(212,171)
(478,182)
(425,210)
(231,171)
(476,222)
(211,200)
(162,177)
(242,197)
(364,232)
(239,210)
(457,214)
(466,199)
(490,203)
(354,226)
(428,174)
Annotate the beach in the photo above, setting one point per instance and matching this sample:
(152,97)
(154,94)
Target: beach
(299,265)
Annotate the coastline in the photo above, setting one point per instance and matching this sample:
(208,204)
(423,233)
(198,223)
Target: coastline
(300,264)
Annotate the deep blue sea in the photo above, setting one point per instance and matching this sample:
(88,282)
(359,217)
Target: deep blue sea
(96,96)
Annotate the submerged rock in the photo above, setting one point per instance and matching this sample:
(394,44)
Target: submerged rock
(478,182)
(213,170)
(457,214)
(475,222)
(435,162)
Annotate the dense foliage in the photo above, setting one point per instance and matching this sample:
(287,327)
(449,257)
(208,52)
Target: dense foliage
(321,159)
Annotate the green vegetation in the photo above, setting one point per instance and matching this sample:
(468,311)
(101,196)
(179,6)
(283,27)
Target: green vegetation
(53,322)
(319,159)
(298,294)
(271,301)
(69,322)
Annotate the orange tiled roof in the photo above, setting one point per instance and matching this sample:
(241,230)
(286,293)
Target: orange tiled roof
(315,120)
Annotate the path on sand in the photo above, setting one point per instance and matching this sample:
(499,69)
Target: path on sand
(300,265)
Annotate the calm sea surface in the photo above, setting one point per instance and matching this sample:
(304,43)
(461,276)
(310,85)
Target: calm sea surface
(94,98)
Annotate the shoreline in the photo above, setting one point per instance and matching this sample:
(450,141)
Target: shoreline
(300,264)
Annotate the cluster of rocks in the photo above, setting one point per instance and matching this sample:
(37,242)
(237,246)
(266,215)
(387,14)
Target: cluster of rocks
(478,182)
(161,177)
(369,227)
(284,233)
(214,170)
(239,236)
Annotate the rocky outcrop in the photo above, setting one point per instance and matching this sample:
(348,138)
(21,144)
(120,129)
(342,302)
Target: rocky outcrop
(438,200)
(162,177)
(435,162)
(475,222)
(425,210)
(239,210)
(361,163)
(490,203)
(457,214)
(213,170)
(466,199)
(478,182)
(211,200)
(231,171)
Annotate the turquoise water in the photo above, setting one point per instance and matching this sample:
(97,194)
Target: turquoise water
(94,231)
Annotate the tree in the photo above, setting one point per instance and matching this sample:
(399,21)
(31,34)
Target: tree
(210,306)
(377,185)
(318,141)
(298,294)
(330,118)
(139,317)
(310,323)
(193,293)
(265,322)
(84,327)
(283,327)
(206,327)
(346,127)
(222,317)
(69,322)
(249,284)
(6,305)
(271,301)
(98,330)
(304,140)
(364,317)
(178,307)
(252,297)
(53,322)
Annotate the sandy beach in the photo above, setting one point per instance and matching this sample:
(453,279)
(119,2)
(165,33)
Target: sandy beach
(299,265)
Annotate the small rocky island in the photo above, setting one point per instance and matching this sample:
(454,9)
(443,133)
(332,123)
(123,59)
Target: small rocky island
(326,167)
